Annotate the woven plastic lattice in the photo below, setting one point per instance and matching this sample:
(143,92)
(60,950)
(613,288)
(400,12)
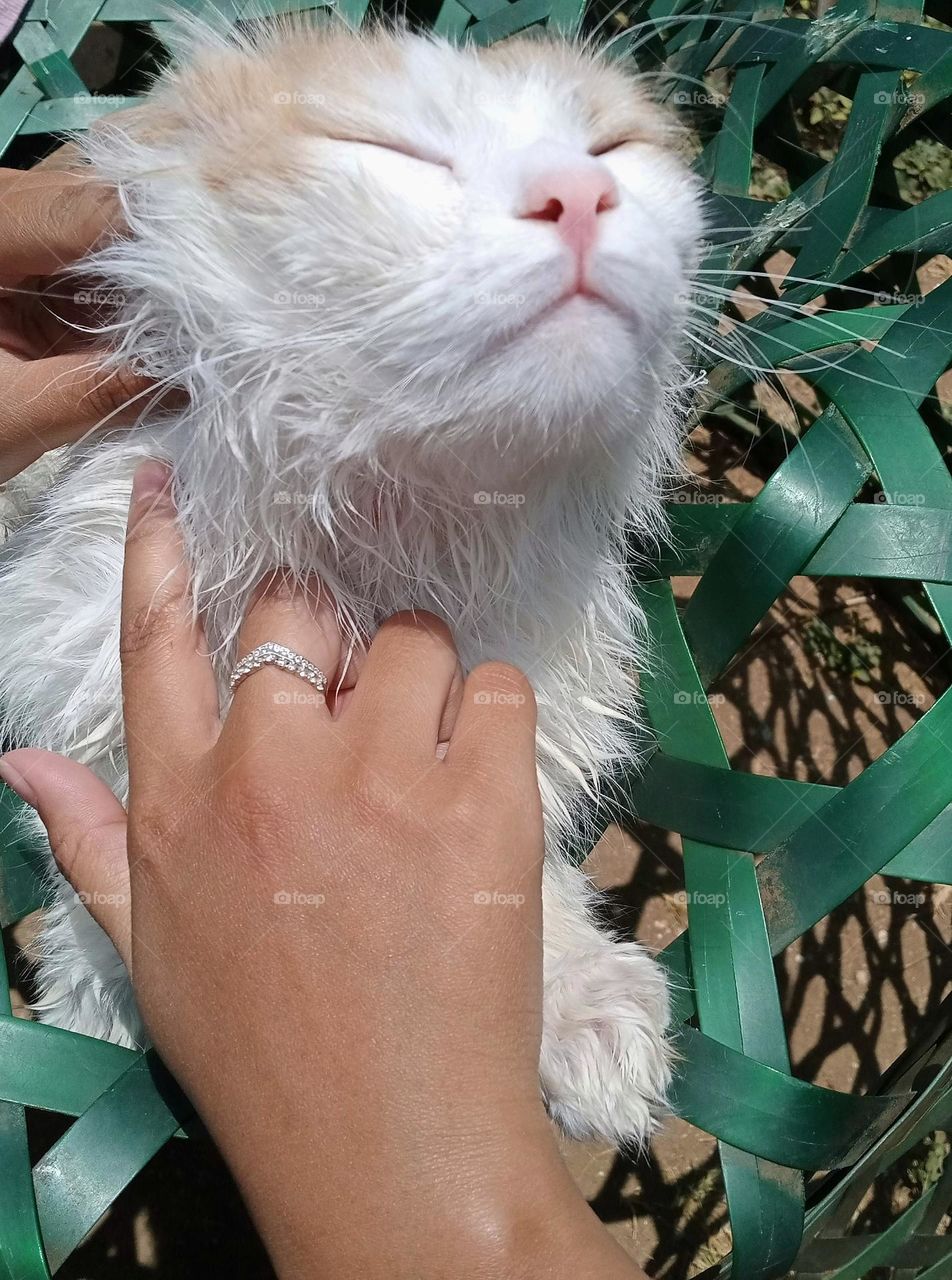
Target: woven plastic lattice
(764,858)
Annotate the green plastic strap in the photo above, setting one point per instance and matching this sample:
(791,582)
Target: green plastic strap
(732,809)
(922,226)
(81,1175)
(770,339)
(21,1249)
(906,458)
(53,71)
(849,178)
(875,1251)
(67,1072)
(738,1005)
(757,813)
(872,540)
(771,1114)
(772,540)
(860,829)
(735,141)
(730,954)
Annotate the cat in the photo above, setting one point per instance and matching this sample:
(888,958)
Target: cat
(428,307)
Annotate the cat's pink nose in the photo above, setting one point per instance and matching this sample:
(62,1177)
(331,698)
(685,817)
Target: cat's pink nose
(571,197)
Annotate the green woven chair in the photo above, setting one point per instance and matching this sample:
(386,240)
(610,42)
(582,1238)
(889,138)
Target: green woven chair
(765,858)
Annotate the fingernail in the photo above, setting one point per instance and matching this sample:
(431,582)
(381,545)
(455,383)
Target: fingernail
(16,782)
(150,489)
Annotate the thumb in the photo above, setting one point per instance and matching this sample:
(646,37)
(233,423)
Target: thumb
(86,826)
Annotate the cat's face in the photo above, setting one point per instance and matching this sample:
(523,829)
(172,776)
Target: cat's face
(441,243)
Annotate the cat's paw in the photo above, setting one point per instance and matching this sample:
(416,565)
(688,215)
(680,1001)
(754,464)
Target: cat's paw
(606,1065)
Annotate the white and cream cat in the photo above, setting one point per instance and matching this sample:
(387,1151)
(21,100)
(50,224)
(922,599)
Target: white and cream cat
(427,304)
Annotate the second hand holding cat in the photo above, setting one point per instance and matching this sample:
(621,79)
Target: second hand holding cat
(54,387)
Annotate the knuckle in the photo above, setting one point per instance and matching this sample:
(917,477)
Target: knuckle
(150,627)
(148,829)
(503,680)
(256,804)
(375,801)
(413,626)
(115,388)
(467,811)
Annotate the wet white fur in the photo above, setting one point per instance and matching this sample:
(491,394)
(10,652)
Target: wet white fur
(348,342)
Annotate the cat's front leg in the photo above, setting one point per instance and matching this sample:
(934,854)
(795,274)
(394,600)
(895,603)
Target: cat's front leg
(605,1065)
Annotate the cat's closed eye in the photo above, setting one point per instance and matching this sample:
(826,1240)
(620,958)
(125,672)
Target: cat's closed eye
(615,144)
(412,153)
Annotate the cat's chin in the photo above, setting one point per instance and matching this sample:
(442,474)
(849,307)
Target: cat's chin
(580,361)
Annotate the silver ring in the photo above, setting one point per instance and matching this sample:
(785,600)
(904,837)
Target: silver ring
(278,655)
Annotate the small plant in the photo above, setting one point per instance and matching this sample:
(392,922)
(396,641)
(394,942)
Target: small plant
(857,656)
(926,1168)
(923,169)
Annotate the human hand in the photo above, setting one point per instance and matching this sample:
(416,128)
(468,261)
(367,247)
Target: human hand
(328,864)
(54,388)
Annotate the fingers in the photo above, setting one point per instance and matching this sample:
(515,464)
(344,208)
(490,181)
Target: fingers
(169,692)
(496,723)
(50,402)
(50,219)
(302,617)
(86,826)
(405,683)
